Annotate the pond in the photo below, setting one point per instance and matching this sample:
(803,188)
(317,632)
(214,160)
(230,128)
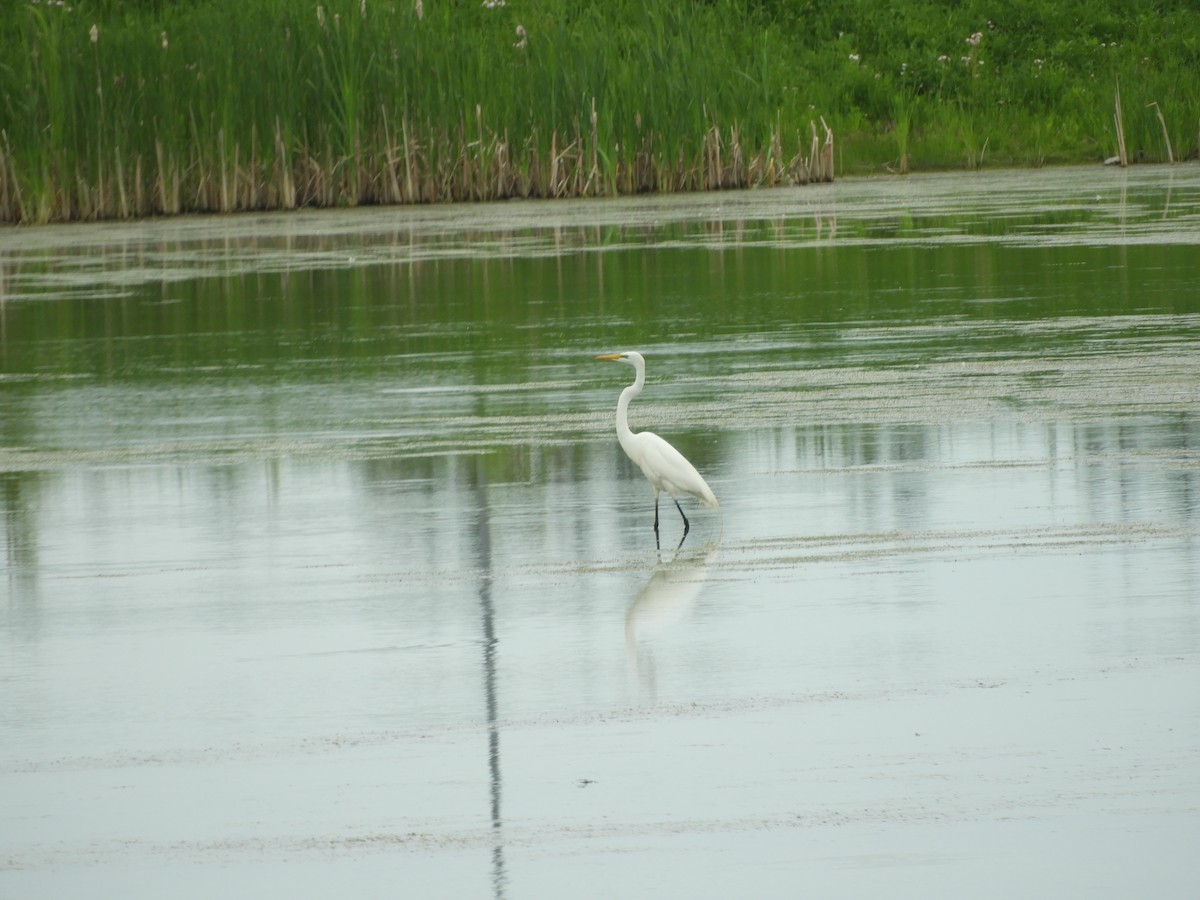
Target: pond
(325,572)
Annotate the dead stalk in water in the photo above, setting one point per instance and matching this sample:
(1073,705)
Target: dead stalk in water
(827,153)
(1166,137)
(1121,155)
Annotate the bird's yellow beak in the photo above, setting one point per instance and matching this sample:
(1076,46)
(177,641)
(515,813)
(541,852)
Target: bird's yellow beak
(608,356)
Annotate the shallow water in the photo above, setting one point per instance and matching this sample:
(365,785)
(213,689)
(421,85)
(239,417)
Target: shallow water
(325,572)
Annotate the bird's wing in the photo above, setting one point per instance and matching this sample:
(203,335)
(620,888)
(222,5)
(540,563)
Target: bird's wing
(668,469)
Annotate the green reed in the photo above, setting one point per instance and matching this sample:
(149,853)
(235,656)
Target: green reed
(1014,83)
(142,107)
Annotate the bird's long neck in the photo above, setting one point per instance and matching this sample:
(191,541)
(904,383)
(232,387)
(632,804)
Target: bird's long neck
(623,431)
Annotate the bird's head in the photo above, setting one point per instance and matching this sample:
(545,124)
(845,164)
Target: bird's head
(629,357)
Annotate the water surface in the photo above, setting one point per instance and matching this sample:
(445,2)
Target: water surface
(325,573)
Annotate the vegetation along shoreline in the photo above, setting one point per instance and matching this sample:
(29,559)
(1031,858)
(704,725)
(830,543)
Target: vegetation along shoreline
(117,109)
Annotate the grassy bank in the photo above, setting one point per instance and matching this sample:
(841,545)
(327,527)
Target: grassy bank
(119,109)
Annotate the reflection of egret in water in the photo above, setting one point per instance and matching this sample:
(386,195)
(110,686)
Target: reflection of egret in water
(483,542)
(663,601)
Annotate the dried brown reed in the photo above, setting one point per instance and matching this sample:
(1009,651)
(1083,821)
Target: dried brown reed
(409,165)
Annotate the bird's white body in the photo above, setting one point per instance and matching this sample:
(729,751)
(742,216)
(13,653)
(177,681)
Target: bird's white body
(664,467)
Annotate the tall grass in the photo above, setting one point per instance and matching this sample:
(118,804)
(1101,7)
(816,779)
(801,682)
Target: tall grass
(122,108)
(222,105)
(1023,82)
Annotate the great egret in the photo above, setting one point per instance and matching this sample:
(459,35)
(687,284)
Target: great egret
(664,467)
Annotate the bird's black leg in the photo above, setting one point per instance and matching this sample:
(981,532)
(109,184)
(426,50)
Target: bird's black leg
(686,526)
(656,543)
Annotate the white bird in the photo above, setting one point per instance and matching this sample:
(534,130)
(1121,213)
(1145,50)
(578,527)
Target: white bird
(664,467)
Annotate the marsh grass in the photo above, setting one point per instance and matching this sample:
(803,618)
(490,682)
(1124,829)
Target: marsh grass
(220,106)
(1020,83)
(143,107)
